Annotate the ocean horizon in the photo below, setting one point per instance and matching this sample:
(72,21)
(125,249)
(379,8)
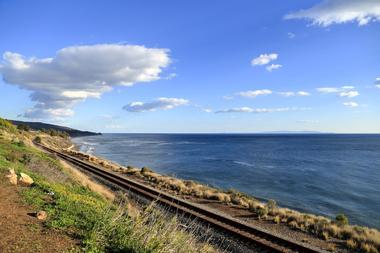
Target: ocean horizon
(320,173)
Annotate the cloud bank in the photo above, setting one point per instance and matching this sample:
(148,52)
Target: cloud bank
(158,104)
(79,72)
(330,12)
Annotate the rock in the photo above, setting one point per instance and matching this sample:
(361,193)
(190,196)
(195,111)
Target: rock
(25,180)
(11,172)
(41,215)
(12,176)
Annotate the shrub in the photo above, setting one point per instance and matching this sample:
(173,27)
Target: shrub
(277,219)
(341,219)
(351,244)
(261,211)
(7,125)
(20,144)
(325,235)
(271,205)
(145,169)
(53,132)
(23,127)
(37,139)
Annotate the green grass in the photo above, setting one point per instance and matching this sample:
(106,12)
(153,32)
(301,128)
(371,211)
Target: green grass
(7,125)
(101,226)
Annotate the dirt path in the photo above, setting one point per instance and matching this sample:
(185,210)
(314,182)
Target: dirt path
(20,231)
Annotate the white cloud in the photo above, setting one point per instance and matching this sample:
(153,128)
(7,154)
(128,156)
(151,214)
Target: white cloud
(79,72)
(328,90)
(264,59)
(303,93)
(287,94)
(345,91)
(228,97)
(291,35)
(272,67)
(351,104)
(262,110)
(208,110)
(348,87)
(377,82)
(330,12)
(349,94)
(292,93)
(158,104)
(254,93)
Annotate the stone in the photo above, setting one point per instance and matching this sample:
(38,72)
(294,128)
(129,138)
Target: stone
(41,215)
(11,171)
(12,179)
(25,180)
(12,176)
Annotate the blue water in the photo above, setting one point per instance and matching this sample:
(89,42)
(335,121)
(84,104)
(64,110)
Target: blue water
(321,174)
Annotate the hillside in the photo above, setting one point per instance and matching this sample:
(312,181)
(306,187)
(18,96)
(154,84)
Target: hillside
(39,126)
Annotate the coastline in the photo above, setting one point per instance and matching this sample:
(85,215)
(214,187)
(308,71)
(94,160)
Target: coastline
(317,230)
(300,172)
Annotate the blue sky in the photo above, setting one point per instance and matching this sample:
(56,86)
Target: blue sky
(192,66)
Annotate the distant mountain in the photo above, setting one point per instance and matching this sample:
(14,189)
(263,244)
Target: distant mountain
(39,125)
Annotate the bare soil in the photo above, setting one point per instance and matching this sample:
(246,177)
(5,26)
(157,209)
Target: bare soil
(21,231)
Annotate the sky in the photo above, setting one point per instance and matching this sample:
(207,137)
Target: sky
(192,66)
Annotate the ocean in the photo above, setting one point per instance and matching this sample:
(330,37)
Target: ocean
(323,174)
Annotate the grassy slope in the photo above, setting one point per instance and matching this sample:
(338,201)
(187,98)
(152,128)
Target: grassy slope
(100,225)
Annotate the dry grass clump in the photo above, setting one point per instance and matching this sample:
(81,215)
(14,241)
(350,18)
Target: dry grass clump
(151,231)
(359,238)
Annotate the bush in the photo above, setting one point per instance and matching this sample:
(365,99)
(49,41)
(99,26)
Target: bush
(20,144)
(261,212)
(271,205)
(146,169)
(53,132)
(7,125)
(23,127)
(37,139)
(341,219)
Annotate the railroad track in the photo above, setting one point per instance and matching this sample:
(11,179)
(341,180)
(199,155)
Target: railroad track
(253,236)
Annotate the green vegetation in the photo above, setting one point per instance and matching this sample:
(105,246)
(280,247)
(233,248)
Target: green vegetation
(7,125)
(100,225)
(37,139)
(145,170)
(53,132)
(23,127)
(341,219)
